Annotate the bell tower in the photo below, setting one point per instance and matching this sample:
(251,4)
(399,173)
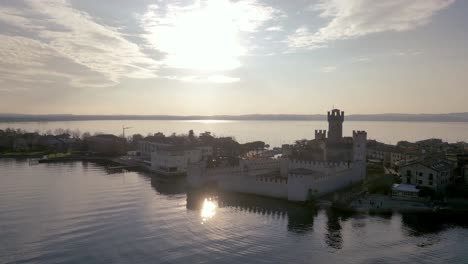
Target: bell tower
(335,125)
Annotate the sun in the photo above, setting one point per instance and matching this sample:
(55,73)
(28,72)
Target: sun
(203,36)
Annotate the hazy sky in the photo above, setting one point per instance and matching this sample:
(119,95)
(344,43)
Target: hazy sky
(233,57)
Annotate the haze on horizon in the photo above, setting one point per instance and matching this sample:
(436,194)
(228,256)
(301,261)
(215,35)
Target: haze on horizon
(222,57)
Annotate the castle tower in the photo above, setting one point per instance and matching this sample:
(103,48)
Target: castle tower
(320,134)
(359,145)
(335,125)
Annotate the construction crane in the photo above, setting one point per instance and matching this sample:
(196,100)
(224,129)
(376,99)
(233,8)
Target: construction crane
(123,130)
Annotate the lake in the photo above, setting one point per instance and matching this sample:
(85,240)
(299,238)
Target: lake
(80,212)
(274,133)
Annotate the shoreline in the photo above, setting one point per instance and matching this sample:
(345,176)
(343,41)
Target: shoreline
(403,206)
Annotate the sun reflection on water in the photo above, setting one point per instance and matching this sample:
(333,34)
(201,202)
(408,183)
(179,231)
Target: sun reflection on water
(208,209)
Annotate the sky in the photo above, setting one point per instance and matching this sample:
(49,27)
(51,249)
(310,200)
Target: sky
(214,57)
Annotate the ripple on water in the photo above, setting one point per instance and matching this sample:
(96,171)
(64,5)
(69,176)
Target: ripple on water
(79,213)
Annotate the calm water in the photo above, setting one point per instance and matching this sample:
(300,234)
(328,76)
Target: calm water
(273,132)
(81,213)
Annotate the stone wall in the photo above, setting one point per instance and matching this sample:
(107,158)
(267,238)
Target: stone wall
(326,177)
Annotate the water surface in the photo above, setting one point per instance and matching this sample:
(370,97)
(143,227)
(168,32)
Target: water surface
(82,213)
(274,133)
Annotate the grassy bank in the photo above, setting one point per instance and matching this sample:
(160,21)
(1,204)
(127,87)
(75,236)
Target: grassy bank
(25,154)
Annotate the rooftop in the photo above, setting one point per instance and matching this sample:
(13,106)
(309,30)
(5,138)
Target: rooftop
(433,163)
(405,187)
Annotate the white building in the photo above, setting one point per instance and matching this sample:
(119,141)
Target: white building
(175,160)
(431,173)
(146,147)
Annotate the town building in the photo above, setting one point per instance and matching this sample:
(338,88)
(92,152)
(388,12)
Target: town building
(406,192)
(106,144)
(389,155)
(432,173)
(174,160)
(172,155)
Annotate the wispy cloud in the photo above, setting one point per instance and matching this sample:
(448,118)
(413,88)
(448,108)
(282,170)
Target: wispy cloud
(329,69)
(205,79)
(31,62)
(68,33)
(355,18)
(274,28)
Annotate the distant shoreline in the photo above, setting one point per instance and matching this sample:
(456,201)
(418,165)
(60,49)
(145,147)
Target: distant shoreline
(452,117)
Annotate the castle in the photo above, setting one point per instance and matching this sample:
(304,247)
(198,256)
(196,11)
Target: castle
(340,162)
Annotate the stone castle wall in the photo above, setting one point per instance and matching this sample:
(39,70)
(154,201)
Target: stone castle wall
(328,177)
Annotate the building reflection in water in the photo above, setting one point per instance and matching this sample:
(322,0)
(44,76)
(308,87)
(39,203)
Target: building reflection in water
(419,224)
(335,217)
(333,236)
(168,186)
(300,218)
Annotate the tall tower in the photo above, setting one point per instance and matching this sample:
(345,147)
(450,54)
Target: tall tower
(359,145)
(335,125)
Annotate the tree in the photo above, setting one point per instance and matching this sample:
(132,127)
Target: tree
(254,146)
(135,139)
(191,135)
(76,133)
(206,138)
(159,134)
(86,135)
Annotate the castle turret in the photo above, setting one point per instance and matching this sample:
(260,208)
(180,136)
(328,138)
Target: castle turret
(359,145)
(335,125)
(320,134)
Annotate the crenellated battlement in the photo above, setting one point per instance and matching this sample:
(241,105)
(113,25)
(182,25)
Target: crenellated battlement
(317,164)
(335,125)
(320,134)
(359,133)
(258,162)
(223,170)
(335,115)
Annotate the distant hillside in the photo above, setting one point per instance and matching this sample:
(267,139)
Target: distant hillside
(452,117)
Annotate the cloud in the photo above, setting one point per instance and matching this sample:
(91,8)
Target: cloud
(31,62)
(274,28)
(21,51)
(74,35)
(206,35)
(18,18)
(205,79)
(355,18)
(362,59)
(58,42)
(329,69)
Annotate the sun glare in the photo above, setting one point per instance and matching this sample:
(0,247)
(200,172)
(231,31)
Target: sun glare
(202,37)
(208,209)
